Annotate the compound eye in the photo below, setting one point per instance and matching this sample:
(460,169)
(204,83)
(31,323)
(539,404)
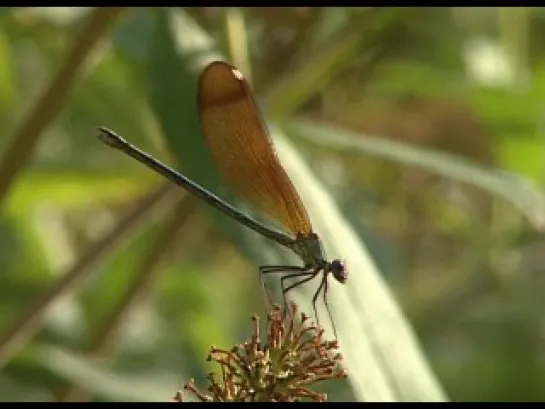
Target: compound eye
(339,271)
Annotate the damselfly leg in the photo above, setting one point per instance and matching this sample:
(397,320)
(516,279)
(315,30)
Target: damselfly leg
(306,275)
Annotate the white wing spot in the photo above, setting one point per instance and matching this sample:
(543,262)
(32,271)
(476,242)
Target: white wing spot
(238,75)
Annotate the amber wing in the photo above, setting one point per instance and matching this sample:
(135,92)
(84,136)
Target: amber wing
(242,147)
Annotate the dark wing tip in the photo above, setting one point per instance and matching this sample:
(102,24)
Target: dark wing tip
(221,84)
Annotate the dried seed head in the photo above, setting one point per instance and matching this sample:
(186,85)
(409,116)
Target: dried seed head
(294,358)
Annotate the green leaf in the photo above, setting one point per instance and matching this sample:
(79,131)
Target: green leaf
(382,357)
(322,67)
(8,91)
(72,190)
(520,192)
(97,379)
(523,154)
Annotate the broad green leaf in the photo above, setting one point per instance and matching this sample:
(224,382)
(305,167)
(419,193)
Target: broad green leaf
(520,192)
(380,351)
(101,381)
(71,190)
(523,154)
(8,91)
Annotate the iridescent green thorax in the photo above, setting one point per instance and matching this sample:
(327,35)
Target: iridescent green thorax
(310,249)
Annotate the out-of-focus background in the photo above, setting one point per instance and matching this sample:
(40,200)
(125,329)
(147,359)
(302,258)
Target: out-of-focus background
(419,131)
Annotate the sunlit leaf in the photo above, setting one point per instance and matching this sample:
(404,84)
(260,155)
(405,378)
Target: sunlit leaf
(99,380)
(520,192)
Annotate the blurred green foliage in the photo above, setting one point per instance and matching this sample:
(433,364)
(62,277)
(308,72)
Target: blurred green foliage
(425,126)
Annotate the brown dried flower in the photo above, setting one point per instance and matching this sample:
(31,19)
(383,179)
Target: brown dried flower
(295,357)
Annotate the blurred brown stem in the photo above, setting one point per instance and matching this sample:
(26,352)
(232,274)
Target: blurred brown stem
(25,326)
(51,101)
(139,287)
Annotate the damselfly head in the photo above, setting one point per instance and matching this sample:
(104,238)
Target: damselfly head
(339,271)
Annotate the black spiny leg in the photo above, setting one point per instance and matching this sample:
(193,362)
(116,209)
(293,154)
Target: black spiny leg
(308,275)
(315,298)
(327,307)
(275,269)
